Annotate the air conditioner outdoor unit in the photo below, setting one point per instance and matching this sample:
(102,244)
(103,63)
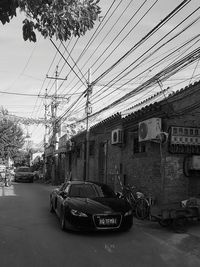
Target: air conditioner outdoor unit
(117,137)
(149,129)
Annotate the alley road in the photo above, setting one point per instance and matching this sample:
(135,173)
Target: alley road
(30,237)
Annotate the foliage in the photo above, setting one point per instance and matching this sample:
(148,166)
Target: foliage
(59,18)
(22,158)
(11,136)
(7,10)
(72,128)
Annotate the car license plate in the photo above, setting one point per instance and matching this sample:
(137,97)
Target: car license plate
(107,221)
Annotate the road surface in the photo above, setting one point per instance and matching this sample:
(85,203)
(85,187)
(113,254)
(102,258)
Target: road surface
(30,236)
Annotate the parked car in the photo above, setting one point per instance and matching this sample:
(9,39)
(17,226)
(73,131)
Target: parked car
(23,174)
(90,206)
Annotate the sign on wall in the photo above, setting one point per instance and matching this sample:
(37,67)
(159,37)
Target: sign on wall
(184,140)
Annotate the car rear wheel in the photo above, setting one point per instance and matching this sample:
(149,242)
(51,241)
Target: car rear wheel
(62,220)
(51,207)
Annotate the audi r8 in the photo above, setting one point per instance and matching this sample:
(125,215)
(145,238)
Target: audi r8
(90,206)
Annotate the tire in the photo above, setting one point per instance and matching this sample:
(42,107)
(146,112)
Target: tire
(51,207)
(142,209)
(62,221)
(165,222)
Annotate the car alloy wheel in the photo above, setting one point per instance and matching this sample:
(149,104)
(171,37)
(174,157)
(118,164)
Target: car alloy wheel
(62,220)
(51,207)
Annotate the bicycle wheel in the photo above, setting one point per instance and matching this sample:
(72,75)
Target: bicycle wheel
(142,209)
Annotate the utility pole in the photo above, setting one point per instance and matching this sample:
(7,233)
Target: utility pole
(45,120)
(54,114)
(55,123)
(54,107)
(88,110)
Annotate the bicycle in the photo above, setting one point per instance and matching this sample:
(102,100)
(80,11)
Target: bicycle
(2,179)
(138,202)
(7,181)
(142,208)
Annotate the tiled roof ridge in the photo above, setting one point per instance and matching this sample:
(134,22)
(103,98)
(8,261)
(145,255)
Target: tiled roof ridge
(149,107)
(108,119)
(155,104)
(149,98)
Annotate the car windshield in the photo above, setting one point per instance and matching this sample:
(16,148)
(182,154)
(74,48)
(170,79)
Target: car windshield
(23,170)
(90,191)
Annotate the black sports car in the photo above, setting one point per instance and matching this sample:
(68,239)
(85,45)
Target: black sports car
(90,206)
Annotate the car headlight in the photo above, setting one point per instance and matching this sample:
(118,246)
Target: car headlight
(78,213)
(128,213)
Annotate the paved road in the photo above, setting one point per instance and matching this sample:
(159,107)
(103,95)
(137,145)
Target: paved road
(30,237)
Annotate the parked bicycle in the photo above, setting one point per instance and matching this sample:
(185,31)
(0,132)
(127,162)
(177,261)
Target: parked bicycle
(2,178)
(7,179)
(137,200)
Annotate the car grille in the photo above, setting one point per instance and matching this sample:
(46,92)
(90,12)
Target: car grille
(107,221)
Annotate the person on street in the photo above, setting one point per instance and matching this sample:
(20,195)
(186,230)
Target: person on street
(7,177)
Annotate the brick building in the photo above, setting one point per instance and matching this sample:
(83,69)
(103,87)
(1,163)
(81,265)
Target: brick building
(157,148)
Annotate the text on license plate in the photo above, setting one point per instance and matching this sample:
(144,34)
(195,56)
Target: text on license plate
(110,221)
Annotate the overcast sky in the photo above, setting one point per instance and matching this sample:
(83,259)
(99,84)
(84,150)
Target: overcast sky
(24,65)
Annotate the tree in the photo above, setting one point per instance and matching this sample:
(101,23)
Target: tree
(11,136)
(59,18)
(71,128)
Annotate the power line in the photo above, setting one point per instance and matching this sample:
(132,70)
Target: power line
(158,26)
(163,75)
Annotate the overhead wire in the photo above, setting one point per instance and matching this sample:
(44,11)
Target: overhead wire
(162,59)
(194,71)
(120,78)
(117,35)
(135,12)
(67,62)
(114,25)
(93,37)
(184,2)
(144,39)
(162,75)
(44,82)
(132,28)
(158,26)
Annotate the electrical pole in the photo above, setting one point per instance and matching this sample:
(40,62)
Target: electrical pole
(54,108)
(45,120)
(88,110)
(55,130)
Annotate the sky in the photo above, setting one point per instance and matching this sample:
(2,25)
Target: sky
(120,53)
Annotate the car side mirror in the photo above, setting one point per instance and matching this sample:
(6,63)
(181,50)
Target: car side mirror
(63,194)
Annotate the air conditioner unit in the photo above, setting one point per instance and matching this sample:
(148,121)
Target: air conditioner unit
(117,137)
(149,129)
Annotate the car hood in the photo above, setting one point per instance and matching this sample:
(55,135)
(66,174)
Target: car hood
(98,205)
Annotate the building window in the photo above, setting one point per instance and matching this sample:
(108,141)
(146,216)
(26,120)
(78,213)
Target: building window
(138,147)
